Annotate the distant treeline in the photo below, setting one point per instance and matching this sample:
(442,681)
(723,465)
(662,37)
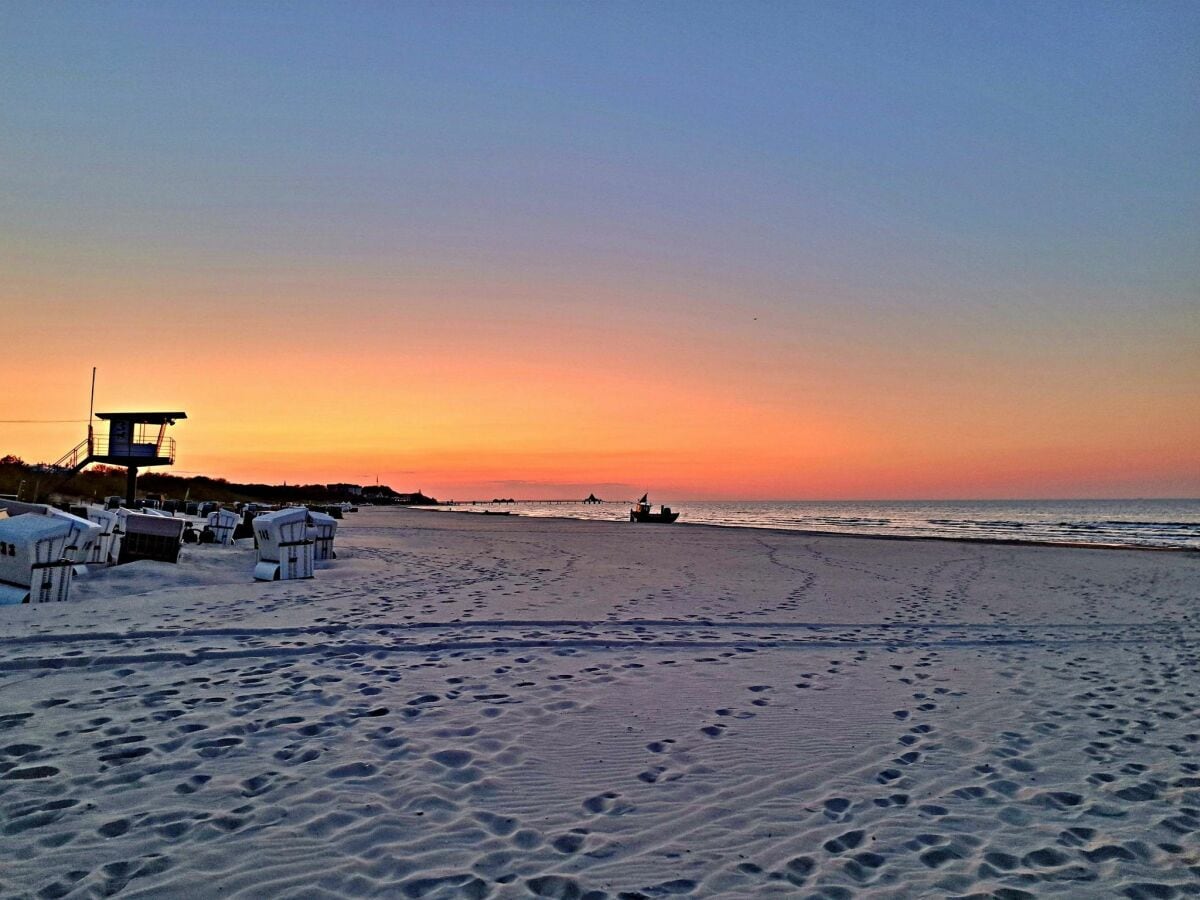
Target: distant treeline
(98,482)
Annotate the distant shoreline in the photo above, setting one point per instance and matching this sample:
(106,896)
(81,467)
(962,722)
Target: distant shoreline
(816,532)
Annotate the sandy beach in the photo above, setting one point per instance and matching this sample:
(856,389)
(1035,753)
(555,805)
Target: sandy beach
(470,706)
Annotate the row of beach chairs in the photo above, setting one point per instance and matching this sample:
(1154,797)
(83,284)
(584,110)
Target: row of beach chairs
(42,548)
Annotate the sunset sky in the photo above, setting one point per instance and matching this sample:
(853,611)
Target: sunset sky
(717,250)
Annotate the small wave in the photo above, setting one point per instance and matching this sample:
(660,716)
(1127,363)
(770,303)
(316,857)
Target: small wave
(1114,523)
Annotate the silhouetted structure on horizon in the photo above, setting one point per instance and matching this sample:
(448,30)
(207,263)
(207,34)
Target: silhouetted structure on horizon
(131,442)
(381,493)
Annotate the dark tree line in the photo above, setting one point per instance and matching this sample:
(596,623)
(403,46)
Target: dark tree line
(98,482)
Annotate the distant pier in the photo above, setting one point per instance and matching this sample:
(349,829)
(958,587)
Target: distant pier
(510,502)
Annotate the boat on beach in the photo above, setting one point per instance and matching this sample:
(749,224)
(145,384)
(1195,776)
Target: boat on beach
(641,512)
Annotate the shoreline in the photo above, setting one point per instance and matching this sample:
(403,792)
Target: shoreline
(816,532)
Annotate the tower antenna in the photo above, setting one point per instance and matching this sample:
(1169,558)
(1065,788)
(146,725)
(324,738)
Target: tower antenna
(91,409)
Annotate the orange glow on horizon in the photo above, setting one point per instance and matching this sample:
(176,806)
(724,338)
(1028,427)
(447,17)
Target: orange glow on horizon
(692,402)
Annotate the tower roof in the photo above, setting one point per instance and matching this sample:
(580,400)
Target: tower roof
(150,418)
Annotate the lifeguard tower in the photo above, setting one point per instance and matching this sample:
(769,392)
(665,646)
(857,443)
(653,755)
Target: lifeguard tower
(135,440)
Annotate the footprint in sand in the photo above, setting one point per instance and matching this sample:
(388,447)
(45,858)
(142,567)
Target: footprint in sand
(30,773)
(608,803)
(650,776)
(798,869)
(452,759)
(570,843)
(837,809)
(501,826)
(848,841)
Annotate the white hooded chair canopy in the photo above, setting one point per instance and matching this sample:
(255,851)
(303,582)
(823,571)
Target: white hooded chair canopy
(285,545)
(325,527)
(223,523)
(33,559)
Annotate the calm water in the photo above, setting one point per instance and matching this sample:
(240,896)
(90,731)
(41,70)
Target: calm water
(1156,523)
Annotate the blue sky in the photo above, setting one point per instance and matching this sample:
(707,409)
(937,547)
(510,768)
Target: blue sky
(1052,138)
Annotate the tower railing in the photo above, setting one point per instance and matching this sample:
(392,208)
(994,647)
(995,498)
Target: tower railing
(98,447)
(157,449)
(73,457)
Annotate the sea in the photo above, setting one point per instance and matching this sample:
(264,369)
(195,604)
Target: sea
(1134,523)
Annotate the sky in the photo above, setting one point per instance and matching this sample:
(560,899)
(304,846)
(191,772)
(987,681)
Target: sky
(716,250)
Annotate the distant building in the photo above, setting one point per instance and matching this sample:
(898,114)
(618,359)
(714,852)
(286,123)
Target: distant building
(381,493)
(353,490)
(417,499)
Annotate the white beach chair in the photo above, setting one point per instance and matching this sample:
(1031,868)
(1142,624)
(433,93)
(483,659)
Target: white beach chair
(106,548)
(223,522)
(149,538)
(285,545)
(84,536)
(34,566)
(325,527)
